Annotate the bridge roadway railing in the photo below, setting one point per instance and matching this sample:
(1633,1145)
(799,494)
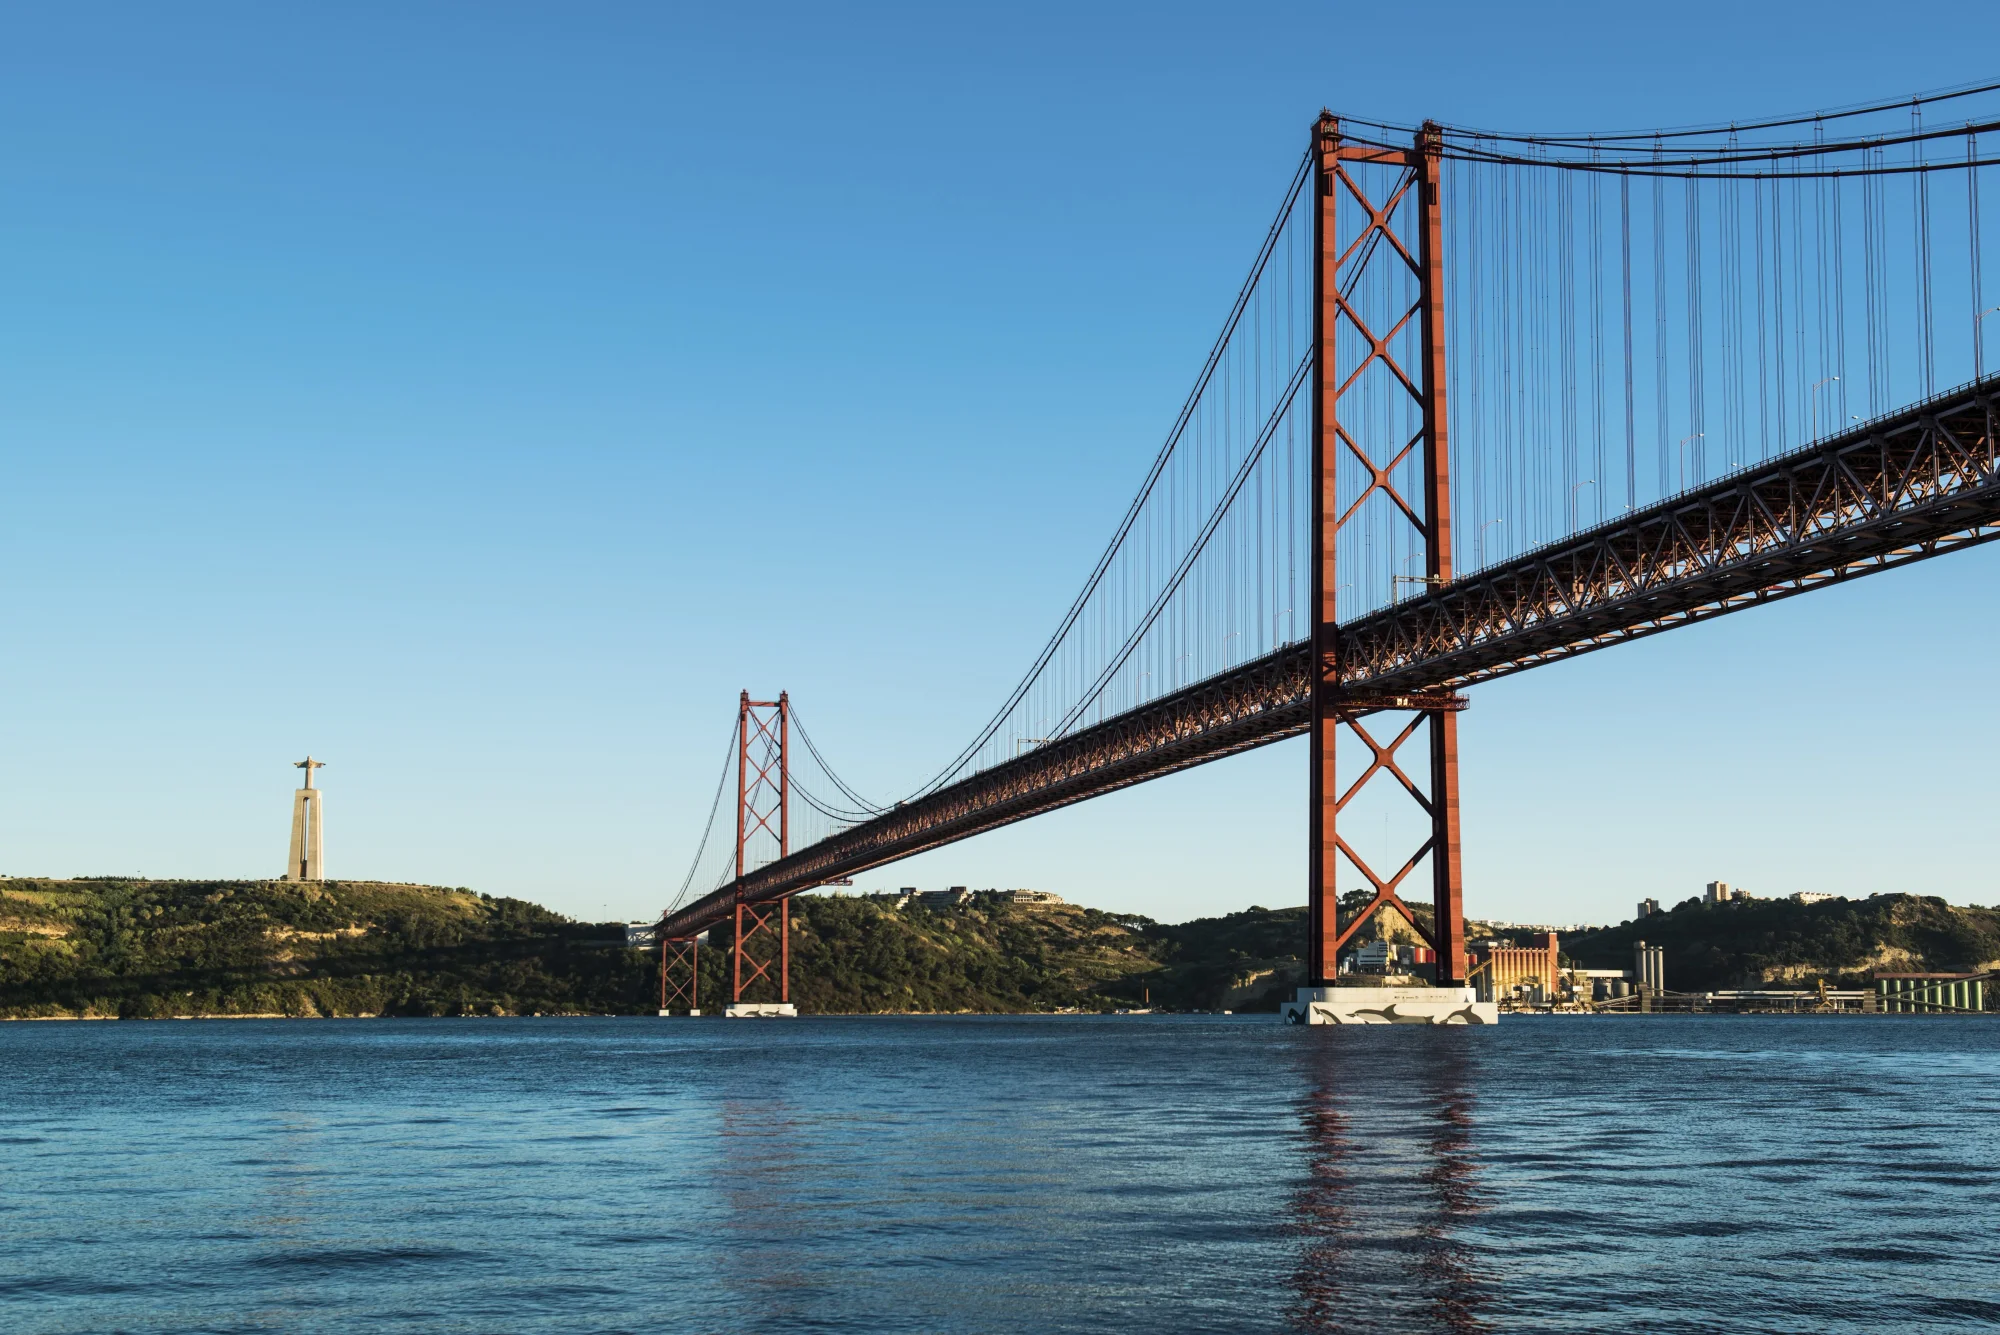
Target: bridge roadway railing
(1910,485)
(1913,484)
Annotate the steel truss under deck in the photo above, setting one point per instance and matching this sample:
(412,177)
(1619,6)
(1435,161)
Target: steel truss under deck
(1911,485)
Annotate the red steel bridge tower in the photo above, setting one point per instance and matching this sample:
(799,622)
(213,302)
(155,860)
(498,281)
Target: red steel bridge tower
(1349,345)
(760,954)
(680,975)
(760,961)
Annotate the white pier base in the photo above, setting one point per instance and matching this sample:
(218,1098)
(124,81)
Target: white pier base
(761,1010)
(1416,1004)
(687,1013)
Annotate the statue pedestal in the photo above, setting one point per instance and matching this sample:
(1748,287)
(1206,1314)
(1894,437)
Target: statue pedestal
(1388,1005)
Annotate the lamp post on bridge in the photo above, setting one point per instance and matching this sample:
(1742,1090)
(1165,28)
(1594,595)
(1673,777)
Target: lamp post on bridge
(1396,582)
(1026,742)
(1684,456)
(1815,402)
(1587,482)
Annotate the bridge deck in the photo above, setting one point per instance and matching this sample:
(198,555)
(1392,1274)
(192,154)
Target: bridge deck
(1907,486)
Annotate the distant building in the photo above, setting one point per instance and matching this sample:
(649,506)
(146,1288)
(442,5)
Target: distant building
(641,935)
(1389,957)
(1030,897)
(1501,968)
(1813,896)
(1930,993)
(1719,893)
(1647,908)
(894,899)
(944,899)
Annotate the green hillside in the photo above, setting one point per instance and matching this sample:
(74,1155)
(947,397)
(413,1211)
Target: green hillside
(855,955)
(1749,943)
(111,947)
(158,948)
(1240,961)
(132,948)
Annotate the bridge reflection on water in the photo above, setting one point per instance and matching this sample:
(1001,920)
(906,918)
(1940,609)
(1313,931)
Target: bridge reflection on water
(1389,1182)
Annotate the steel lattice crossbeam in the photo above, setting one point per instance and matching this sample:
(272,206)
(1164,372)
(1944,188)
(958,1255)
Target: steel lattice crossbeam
(1912,485)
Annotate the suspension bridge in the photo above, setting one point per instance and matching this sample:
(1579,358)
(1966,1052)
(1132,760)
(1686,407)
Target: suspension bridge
(1485,401)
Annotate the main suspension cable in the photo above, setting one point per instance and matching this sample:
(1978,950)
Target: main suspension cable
(1299,178)
(867,807)
(714,808)
(1578,140)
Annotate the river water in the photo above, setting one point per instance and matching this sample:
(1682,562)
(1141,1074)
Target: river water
(1138,1173)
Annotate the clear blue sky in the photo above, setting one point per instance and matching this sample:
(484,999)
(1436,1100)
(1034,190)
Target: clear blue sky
(479,395)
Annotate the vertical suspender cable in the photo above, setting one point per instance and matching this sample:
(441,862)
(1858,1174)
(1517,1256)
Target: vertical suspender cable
(1821,286)
(1730,255)
(1882,276)
(1763,374)
(1597,341)
(1972,234)
(1625,255)
(1697,362)
(1868,288)
(1920,183)
(1841,378)
(1801,375)
(1566,336)
(1663,443)
(1778,304)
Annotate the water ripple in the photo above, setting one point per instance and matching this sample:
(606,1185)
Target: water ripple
(994,1174)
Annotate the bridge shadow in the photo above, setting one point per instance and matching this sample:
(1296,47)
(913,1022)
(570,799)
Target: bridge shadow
(1391,1183)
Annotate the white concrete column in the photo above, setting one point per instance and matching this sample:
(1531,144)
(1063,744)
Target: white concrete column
(306,860)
